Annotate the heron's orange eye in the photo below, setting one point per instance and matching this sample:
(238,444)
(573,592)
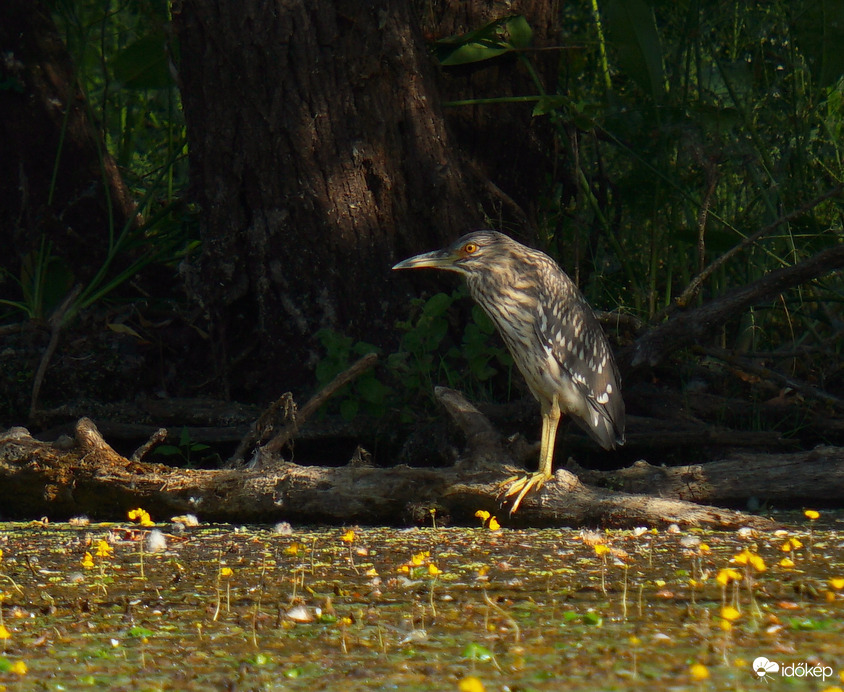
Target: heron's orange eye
(470,248)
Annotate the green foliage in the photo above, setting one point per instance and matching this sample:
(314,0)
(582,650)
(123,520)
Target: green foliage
(44,280)
(186,450)
(428,356)
(682,129)
(121,52)
(501,36)
(367,392)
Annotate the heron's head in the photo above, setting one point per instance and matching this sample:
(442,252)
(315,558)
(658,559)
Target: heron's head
(474,253)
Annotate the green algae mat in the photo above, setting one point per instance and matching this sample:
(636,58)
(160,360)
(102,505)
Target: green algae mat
(137,606)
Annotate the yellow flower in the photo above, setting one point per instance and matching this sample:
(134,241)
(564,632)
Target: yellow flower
(88,561)
(19,668)
(4,633)
(811,514)
(104,549)
(837,583)
(1,553)
(726,575)
(787,562)
(601,549)
(483,515)
(791,544)
(419,558)
(699,672)
(745,557)
(433,570)
(729,613)
(141,516)
(226,571)
(294,548)
(470,684)
(493,524)
(349,536)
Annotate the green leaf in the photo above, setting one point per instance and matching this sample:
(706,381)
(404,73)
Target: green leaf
(482,320)
(548,104)
(349,409)
(811,624)
(362,348)
(592,618)
(477,652)
(144,64)
(498,37)
(437,305)
(521,35)
(373,390)
(326,370)
(631,27)
(473,52)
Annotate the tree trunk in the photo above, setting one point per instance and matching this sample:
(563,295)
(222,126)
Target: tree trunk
(515,150)
(319,157)
(56,182)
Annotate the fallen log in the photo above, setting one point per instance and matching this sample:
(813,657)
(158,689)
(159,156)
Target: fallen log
(86,476)
(812,477)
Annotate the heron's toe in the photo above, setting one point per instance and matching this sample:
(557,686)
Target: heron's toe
(520,486)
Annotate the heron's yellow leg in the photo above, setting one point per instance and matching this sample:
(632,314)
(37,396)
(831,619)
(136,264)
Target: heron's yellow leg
(522,485)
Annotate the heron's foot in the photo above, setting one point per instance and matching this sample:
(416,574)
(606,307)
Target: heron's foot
(521,486)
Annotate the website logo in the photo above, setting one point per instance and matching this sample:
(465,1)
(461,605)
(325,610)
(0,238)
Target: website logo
(762,667)
(766,669)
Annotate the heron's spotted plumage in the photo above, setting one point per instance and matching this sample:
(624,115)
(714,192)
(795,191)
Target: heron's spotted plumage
(551,332)
(549,328)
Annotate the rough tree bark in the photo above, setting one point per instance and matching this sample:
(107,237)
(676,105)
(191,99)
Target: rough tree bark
(515,151)
(56,181)
(319,157)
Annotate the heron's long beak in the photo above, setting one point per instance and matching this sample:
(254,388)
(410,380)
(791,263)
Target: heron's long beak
(438,259)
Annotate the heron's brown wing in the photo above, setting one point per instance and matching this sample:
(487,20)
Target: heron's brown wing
(574,337)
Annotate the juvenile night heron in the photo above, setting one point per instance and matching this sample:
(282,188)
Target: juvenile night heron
(551,332)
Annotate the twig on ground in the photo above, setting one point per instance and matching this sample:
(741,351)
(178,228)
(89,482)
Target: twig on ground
(313,404)
(154,440)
